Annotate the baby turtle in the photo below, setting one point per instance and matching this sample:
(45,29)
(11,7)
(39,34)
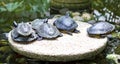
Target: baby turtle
(23,32)
(100,28)
(47,30)
(66,23)
(37,22)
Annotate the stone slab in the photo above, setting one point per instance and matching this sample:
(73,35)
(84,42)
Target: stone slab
(67,48)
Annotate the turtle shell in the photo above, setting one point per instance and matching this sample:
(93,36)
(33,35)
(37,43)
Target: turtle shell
(24,29)
(65,23)
(101,28)
(37,22)
(23,33)
(19,38)
(48,31)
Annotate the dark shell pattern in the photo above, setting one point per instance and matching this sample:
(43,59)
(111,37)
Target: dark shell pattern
(101,28)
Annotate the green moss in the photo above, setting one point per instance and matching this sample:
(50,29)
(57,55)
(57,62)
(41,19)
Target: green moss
(117,50)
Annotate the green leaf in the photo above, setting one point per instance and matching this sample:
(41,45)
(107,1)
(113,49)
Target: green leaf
(12,6)
(9,58)
(3,42)
(2,9)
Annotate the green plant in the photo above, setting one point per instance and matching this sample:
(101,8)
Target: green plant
(15,9)
(21,10)
(11,7)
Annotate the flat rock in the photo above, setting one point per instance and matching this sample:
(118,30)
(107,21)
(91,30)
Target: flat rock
(67,48)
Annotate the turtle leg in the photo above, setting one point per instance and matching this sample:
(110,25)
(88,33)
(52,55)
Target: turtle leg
(54,23)
(39,38)
(76,31)
(18,39)
(33,36)
(109,36)
(15,36)
(60,35)
(70,33)
(103,36)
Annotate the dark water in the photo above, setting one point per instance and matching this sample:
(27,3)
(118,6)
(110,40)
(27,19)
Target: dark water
(110,9)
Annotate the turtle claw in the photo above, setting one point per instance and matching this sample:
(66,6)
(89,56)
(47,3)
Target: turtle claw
(76,31)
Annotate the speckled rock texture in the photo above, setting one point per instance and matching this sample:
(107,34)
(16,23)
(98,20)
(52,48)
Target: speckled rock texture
(67,48)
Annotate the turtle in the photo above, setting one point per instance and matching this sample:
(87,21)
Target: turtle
(23,32)
(37,22)
(66,23)
(100,29)
(47,30)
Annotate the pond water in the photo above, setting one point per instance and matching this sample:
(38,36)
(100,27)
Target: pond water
(108,9)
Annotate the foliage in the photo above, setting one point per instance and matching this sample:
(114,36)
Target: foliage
(10,7)
(112,5)
(21,10)
(17,9)
(97,4)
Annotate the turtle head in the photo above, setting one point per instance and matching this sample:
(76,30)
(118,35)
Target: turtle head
(67,14)
(24,29)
